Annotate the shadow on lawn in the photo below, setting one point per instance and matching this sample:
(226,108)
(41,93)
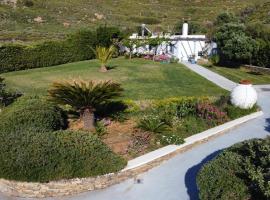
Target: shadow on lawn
(111,67)
(190,177)
(267,127)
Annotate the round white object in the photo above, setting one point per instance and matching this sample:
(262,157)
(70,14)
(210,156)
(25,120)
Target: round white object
(244,96)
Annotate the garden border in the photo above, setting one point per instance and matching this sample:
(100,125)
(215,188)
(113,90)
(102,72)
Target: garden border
(132,170)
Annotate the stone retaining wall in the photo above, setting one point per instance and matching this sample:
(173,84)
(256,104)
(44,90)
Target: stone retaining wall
(257,69)
(76,186)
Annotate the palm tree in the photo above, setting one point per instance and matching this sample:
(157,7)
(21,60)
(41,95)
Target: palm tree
(85,97)
(104,54)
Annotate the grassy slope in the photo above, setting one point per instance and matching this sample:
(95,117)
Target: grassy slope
(237,74)
(18,23)
(141,79)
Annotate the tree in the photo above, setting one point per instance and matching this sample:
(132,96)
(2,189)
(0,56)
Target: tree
(155,43)
(106,36)
(104,54)
(85,97)
(130,44)
(235,46)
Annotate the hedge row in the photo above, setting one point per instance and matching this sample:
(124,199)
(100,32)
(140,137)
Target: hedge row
(33,148)
(241,172)
(76,47)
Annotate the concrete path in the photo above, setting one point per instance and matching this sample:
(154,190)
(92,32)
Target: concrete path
(211,76)
(175,179)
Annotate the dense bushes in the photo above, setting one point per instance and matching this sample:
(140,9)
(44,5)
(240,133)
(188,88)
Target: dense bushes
(75,48)
(33,148)
(32,114)
(33,156)
(240,172)
(6,96)
(240,42)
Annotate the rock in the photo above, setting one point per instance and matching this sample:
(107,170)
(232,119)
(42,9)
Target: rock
(99,16)
(39,19)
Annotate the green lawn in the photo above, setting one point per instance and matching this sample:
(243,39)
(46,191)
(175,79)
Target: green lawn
(140,78)
(237,74)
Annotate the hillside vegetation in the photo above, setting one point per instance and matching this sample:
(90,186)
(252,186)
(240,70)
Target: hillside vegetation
(31,20)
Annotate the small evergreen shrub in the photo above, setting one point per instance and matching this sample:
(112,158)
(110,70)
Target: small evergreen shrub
(236,112)
(7,97)
(152,123)
(240,172)
(32,114)
(41,157)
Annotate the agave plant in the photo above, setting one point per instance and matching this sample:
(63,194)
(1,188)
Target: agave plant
(85,97)
(104,54)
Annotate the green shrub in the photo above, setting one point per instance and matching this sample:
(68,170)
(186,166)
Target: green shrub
(42,157)
(218,180)
(167,139)
(7,97)
(106,36)
(100,129)
(75,47)
(236,112)
(240,172)
(214,59)
(152,123)
(32,114)
(192,125)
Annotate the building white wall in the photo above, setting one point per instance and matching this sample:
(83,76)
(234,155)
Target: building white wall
(184,46)
(184,49)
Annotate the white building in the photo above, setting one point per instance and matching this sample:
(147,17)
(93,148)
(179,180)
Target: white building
(183,46)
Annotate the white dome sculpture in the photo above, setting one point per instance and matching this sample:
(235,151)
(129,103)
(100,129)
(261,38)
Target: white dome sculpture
(244,96)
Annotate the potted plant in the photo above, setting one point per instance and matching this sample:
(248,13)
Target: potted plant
(244,95)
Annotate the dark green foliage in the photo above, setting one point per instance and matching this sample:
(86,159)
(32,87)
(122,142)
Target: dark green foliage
(75,48)
(218,179)
(27,3)
(235,112)
(145,20)
(7,97)
(152,123)
(107,36)
(32,114)
(18,57)
(240,172)
(225,18)
(235,46)
(261,33)
(82,95)
(42,157)
(247,43)
(192,125)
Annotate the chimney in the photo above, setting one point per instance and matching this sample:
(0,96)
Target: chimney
(185,29)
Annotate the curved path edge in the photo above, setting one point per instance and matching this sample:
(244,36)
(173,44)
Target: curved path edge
(133,169)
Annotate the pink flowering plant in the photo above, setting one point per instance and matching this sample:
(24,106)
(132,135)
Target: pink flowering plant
(212,114)
(162,58)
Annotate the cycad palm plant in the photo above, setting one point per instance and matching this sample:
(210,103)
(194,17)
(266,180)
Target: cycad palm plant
(104,54)
(85,97)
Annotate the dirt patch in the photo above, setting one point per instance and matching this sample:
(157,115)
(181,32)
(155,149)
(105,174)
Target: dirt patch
(124,138)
